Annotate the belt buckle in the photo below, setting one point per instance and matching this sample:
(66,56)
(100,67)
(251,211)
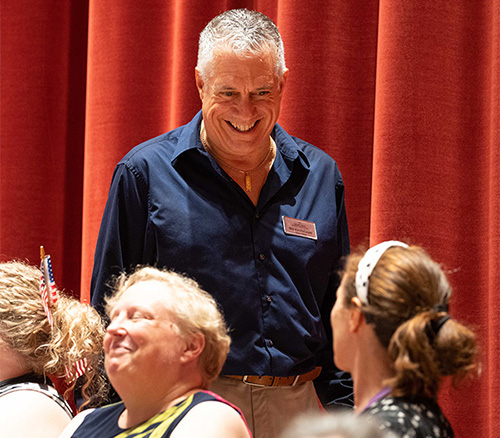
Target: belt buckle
(246,382)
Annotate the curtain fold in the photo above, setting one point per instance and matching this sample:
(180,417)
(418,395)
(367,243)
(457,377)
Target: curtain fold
(404,95)
(436,170)
(42,117)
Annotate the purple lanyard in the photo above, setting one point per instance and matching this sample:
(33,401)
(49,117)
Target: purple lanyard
(378,396)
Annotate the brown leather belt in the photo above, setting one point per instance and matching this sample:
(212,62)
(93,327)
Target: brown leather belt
(276,380)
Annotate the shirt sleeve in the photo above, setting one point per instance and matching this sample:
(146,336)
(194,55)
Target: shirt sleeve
(123,237)
(334,387)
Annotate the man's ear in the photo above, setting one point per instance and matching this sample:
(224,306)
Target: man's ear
(193,348)
(282,81)
(356,318)
(199,83)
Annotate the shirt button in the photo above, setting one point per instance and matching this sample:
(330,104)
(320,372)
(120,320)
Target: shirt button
(262,256)
(257,216)
(268,298)
(270,343)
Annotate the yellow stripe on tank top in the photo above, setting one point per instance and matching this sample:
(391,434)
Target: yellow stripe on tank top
(164,420)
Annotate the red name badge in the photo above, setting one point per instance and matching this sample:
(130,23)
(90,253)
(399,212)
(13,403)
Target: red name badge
(300,228)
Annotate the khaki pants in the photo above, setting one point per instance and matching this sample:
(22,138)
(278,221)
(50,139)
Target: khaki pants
(268,410)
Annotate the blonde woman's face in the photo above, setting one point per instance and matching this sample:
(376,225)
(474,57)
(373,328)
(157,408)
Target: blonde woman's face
(142,337)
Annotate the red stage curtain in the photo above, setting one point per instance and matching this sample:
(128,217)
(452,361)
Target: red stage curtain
(404,95)
(42,102)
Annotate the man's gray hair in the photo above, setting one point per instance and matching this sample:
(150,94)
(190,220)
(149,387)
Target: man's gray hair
(243,32)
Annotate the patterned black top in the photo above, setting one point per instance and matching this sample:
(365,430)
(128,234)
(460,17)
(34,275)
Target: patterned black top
(416,418)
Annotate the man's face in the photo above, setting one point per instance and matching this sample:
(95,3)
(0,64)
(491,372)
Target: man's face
(141,339)
(240,102)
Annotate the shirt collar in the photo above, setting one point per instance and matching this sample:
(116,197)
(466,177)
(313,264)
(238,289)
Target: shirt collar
(189,137)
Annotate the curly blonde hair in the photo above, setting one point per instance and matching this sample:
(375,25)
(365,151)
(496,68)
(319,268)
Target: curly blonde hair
(193,310)
(77,331)
(408,293)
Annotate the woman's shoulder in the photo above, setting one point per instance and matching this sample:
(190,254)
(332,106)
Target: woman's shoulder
(102,420)
(21,410)
(212,416)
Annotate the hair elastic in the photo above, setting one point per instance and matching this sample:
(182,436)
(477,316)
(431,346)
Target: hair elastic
(367,265)
(434,325)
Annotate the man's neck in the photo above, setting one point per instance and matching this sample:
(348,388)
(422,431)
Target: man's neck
(261,156)
(251,177)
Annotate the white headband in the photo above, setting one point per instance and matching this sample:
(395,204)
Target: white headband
(367,265)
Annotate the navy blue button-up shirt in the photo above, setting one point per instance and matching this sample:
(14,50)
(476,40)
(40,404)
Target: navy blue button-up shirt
(171,205)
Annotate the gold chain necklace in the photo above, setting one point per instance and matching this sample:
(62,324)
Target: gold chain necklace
(248,180)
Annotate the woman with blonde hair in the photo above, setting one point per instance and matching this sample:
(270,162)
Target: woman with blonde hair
(63,340)
(165,343)
(393,333)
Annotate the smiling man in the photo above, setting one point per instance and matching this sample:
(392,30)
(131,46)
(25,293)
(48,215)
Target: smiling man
(254,215)
(241,99)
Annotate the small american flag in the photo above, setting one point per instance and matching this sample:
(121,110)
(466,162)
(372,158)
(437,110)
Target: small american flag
(77,370)
(48,289)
